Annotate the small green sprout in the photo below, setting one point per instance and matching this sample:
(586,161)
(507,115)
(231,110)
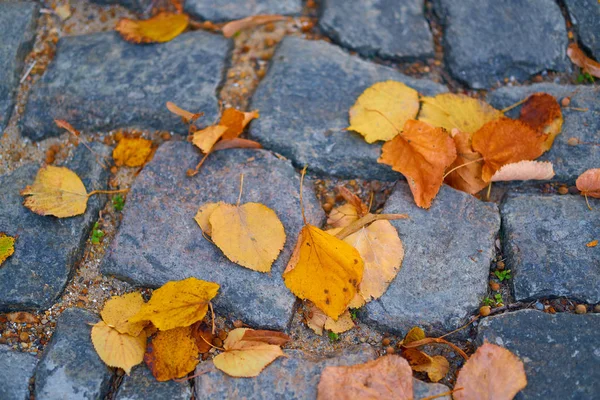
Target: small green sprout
(488,302)
(97,234)
(585,77)
(118,202)
(334,337)
(498,298)
(503,275)
(354,313)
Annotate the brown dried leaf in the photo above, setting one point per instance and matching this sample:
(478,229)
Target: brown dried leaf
(188,117)
(467,175)
(236,121)
(202,333)
(233,27)
(268,337)
(436,367)
(492,373)
(588,183)
(388,377)
(236,143)
(524,171)
(172,354)
(22,317)
(542,112)
(579,58)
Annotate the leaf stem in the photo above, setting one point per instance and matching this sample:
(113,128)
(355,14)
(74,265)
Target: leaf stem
(301,190)
(241,190)
(587,202)
(517,104)
(93,192)
(460,166)
(422,342)
(489,191)
(366,220)
(195,171)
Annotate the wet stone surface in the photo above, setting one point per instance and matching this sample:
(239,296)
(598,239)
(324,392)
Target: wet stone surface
(544,240)
(389,29)
(560,351)
(293,377)
(17,368)
(47,248)
(160,241)
(304,101)
(101,82)
(486,41)
(17,29)
(581,121)
(218,10)
(444,275)
(70,369)
(141,385)
(585,15)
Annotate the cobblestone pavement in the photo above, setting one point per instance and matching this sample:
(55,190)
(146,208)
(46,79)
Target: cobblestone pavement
(303,75)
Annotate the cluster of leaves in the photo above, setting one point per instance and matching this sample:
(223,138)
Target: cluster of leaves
(118,202)
(503,275)
(491,373)
(97,234)
(168,334)
(221,136)
(454,138)
(496,301)
(166,26)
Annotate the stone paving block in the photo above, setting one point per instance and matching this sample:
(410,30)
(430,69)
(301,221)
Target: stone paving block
(560,351)
(486,41)
(47,248)
(444,275)
(585,15)
(219,10)
(544,239)
(304,101)
(141,385)
(569,161)
(70,368)
(160,241)
(102,82)
(294,377)
(17,29)
(17,368)
(389,29)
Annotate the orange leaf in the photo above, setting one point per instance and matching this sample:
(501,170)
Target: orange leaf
(268,337)
(492,373)
(588,183)
(158,29)
(542,112)
(61,123)
(186,115)
(506,141)
(593,243)
(524,171)
(579,58)
(236,121)
(206,138)
(467,175)
(421,153)
(388,377)
(436,367)
(203,336)
(132,152)
(233,27)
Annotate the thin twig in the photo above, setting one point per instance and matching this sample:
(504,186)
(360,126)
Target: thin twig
(461,328)
(187,378)
(212,345)
(212,314)
(301,190)
(460,166)
(489,192)
(517,104)
(366,220)
(423,342)
(28,72)
(195,171)
(93,192)
(241,190)
(587,202)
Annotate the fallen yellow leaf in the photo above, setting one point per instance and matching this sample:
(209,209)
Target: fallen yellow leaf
(158,29)
(245,358)
(436,367)
(206,138)
(132,152)
(56,191)
(118,349)
(450,111)
(317,321)
(203,215)
(250,234)
(172,354)
(324,270)
(177,304)
(593,243)
(381,111)
(7,247)
(119,309)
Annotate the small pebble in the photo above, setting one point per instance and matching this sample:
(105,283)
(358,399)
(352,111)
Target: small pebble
(24,337)
(386,341)
(222,334)
(500,265)
(581,309)
(563,190)
(484,311)
(573,141)
(217,342)
(565,101)
(327,207)
(597,308)
(539,306)
(495,286)
(390,350)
